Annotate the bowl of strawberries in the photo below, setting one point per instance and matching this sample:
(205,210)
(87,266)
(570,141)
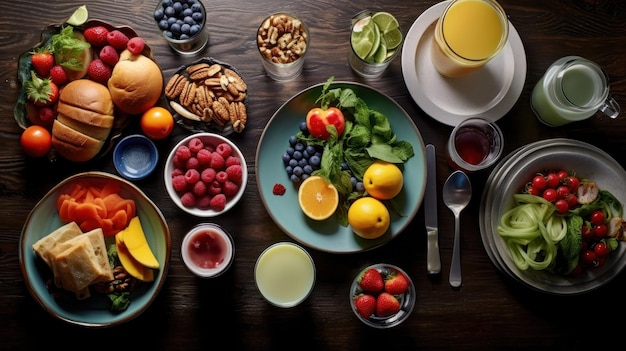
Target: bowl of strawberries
(382,296)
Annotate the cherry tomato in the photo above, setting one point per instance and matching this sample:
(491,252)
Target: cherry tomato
(572,200)
(572,183)
(601,249)
(588,257)
(36,141)
(562,191)
(550,195)
(600,230)
(533,190)
(539,182)
(561,206)
(562,175)
(553,180)
(587,233)
(597,217)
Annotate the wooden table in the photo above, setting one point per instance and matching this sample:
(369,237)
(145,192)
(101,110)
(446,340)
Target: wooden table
(489,312)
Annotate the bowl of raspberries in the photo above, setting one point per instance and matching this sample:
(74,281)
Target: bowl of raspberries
(382,296)
(205,174)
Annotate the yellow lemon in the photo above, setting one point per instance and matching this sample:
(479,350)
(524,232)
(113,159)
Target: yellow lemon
(368,217)
(383,180)
(318,199)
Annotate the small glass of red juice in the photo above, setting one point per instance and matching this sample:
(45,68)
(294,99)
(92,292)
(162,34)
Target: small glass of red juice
(207,250)
(474,144)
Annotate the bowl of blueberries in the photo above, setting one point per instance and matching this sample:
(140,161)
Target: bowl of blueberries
(183,25)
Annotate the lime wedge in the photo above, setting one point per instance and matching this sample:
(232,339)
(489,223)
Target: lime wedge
(79,16)
(376,42)
(381,54)
(385,21)
(393,38)
(363,37)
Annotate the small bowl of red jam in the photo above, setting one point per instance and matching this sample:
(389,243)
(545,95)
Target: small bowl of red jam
(207,250)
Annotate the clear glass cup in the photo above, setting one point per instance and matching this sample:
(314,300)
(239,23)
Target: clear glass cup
(283,54)
(207,250)
(468,34)
(474,144)
(369,68)
(191,45)
(284,274)
(572,89)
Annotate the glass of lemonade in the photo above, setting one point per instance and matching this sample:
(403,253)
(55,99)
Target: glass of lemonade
(572,89)
(375,40)
(285,274)
(468,34)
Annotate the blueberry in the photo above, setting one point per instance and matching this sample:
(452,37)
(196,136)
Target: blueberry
(169,11)
(188,20)
(194,29)
(298,171)
(167,3)
(293,140)
(158,14)
(360,187)
(185,28)
(290,151)
(187,12)
(303,127)
(304,176)
(177,6)
(299,146)
(171,20)
(353,181)
(286,157)
(344,166)
(310,149)
(293,162)
(303,162)
(289,170)
(315,161)
(308,169)
(297,155)
(184,36)
(197,16)
(163,25)
(175,28)
(294,178)
(196,7)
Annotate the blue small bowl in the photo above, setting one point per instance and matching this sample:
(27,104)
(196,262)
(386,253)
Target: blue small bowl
(135,157)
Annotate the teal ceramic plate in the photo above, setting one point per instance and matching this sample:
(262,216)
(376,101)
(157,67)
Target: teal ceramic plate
(329,235)
(93,311)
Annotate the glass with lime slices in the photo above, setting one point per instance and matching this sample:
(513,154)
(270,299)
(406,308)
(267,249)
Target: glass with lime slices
(375,40)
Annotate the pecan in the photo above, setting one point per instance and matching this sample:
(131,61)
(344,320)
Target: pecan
(188,94)
(175,86)
(221,112)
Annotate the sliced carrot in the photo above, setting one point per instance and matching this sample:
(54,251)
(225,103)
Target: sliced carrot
(120,219)
(85,211)
(110,188)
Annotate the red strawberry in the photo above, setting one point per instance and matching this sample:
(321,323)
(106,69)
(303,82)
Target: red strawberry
(42,61)
(99,71)
(41,91)
(371,281)
(135,45)
(117,39)
(58,75)
(365,305)
(396,283)
(96,36)
(386,305)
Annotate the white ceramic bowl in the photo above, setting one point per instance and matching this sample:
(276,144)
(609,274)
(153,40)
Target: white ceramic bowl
(201,211)
(207,250)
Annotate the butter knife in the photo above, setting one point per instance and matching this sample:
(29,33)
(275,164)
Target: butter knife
(433,261)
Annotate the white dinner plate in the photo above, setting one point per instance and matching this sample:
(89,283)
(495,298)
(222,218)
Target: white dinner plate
(489,92)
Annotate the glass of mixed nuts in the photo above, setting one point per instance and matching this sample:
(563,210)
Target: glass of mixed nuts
(283,41)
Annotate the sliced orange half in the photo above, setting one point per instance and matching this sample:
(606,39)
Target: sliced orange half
(318,199)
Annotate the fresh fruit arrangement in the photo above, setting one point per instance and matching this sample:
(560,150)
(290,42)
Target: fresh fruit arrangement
(79,49)
(381,293)
(206,176)
(562,224)
(355,158)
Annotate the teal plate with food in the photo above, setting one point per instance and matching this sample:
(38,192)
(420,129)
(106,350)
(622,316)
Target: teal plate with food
(330,235)
(94,309)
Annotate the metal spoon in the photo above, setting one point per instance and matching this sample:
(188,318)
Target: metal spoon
(457,192)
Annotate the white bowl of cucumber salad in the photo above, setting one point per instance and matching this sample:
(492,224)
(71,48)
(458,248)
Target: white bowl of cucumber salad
(511,175)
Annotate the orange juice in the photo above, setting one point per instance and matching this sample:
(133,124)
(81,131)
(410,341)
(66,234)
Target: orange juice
(468,35)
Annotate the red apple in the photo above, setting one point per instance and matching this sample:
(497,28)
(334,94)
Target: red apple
(318,119)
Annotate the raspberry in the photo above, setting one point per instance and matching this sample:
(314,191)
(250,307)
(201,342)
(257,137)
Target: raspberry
(230,189)
(217,161)
(188,199)
(218,202)
(177,172)
(215,188)
(96,36)
(224,150)
(179,183)
(204,157)
(58,75)
(195,145)
(221,177)
(99,71)
(192,163)
(135,45)
(183,153)
(235,173)
(192,176)
(208,175)
(117,39)
(199,189)
(109,55)
(204,202)
(178,163)
(232,160)
(279,189)
(46,115)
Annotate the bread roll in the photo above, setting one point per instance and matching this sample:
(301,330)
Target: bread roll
(136,83)
(84,120)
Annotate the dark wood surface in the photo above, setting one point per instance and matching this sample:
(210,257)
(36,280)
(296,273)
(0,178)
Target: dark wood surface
(490,311)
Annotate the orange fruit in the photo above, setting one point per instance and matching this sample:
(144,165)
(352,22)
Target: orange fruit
(318,199)
(383,180)
(157,123)
(36,141)
(368,217)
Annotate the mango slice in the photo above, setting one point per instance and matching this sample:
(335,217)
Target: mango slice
(135,241)
(130,264)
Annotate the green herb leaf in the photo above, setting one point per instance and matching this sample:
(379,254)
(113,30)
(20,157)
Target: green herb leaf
(67,49)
